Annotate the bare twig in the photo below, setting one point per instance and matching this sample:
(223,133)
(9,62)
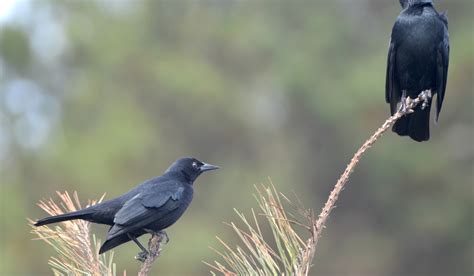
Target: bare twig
(319,224)
(155,245)
(294,256)
(410,104)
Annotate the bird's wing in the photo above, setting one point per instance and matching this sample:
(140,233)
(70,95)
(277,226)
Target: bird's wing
(444,17)
(391,86)
(146,207)
(442,67)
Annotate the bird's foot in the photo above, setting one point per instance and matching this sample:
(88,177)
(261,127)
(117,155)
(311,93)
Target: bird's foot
(425,97)
(165,237)
(141,257)
(404,104)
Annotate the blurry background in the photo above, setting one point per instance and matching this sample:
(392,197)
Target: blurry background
(97,96)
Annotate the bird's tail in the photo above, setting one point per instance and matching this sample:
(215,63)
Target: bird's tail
(81,214)
(416,125)
(114,242)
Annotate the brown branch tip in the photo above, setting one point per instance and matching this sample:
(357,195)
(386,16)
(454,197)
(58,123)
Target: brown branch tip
(155,246)
(409,105)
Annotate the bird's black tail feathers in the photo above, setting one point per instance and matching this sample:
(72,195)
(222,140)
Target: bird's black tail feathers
(114,242)
(81,214)
(416,125)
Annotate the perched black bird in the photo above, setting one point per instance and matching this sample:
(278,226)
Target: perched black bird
(148,208)
(418,59)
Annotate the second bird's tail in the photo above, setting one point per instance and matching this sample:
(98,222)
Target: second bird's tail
(114,242)
(416,125)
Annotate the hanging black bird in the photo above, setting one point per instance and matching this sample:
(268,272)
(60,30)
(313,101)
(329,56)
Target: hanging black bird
(150,207)
(418,59)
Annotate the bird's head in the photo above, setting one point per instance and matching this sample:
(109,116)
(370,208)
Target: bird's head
(190,167)
(409,3)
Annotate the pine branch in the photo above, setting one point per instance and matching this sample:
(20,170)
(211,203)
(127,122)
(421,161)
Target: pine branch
(155,246)
(410,104)
(294,256)
(78,252)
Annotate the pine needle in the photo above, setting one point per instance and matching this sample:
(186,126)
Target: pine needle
(78,251)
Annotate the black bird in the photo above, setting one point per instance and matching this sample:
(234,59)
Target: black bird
(148,208)
(418,59)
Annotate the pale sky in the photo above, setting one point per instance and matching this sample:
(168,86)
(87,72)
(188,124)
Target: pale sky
(6,8)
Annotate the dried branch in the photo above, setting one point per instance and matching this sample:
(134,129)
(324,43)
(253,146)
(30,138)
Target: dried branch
(155,246)
(257,257)
(410,104)
(293,256)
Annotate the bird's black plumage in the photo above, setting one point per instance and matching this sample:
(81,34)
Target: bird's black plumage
(418,60)
(150,207)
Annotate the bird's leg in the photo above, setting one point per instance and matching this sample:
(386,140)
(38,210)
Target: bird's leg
(425,97)
(161,233)
(141,256)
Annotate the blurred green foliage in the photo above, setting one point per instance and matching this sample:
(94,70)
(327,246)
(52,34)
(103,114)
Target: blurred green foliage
(97,96)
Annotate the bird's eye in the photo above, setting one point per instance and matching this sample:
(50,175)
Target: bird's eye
(195,165)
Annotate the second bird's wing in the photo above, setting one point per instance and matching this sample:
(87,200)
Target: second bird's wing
(391,87)
(146,207)
(442,68)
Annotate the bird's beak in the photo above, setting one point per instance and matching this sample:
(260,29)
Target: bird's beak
(208,167)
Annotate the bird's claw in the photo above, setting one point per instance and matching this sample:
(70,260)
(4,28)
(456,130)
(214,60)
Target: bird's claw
(141,257)
(425,97)
(164,236)
(405,103)
(408,102)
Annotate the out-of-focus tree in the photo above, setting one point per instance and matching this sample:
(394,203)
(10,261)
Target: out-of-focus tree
(97,96)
